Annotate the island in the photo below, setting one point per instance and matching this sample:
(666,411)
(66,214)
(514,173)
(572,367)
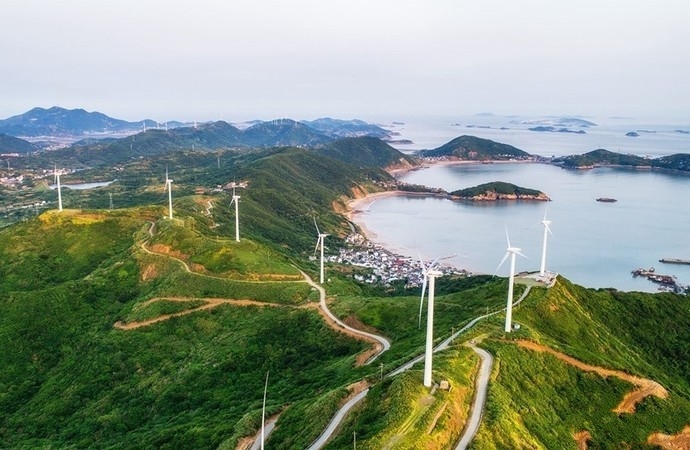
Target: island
(498,190)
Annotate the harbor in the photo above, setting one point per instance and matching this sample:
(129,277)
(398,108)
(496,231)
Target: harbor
(667,282)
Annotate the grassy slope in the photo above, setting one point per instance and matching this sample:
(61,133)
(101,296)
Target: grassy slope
(537,401)
(69,378)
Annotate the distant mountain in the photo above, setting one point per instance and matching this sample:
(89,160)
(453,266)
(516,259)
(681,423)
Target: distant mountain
(363,151)
(283,132)
(602,157)
(338,128)
(366,152)
(11,144)
(58,121)
(472,148)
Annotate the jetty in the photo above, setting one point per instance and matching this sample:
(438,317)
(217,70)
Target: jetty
(674,261)
(667,282)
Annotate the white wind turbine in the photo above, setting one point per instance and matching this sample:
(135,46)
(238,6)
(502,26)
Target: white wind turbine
(236,201)
(168,185)
(319,241)
(510,251)
(56,175)
(431,274)
(547,231)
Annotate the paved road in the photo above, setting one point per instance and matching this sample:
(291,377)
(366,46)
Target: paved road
(268,429)
(335,422)
(479,399)
(326,435)
(385,344)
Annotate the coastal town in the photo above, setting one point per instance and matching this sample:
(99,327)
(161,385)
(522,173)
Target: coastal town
(384,266)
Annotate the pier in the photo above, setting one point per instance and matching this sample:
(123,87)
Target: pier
(674,261)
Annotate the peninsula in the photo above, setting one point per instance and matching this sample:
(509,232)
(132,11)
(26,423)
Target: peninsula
(498,190)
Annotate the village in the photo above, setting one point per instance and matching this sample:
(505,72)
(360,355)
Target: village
(386,267)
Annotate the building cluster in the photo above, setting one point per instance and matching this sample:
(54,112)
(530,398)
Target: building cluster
(384,267)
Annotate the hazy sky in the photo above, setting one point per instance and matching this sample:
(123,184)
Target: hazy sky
(370,59)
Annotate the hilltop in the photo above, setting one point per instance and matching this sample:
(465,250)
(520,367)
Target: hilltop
(11,144)
(471,148)
(498,190)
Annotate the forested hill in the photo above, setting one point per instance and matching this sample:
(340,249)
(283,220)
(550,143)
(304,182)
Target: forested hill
(366,152)
(472,148)
(499,190)
(602,157)
(11,144)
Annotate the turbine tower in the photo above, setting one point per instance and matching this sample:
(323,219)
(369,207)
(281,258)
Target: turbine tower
(547,231)
(168,184)
(59,189)
(510,251)
(321,238)
(431,274)
(236,201)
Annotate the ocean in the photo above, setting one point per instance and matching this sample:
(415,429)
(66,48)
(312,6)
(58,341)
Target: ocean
(594,244)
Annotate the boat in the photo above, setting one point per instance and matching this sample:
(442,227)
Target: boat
(674,261)
(606,200)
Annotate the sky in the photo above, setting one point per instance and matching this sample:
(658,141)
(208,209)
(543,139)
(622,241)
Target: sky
(239,60)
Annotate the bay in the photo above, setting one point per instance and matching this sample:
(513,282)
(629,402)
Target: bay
(594,244)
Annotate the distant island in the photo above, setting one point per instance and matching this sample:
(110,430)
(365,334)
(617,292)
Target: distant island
(498,190)
(551,129)
(603,158)
(471,148)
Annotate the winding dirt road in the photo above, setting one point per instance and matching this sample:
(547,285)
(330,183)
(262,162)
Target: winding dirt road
(645,387)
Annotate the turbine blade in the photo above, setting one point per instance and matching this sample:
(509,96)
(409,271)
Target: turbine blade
(505,257)
(421,303)
(317,227)
(548,229)
(507,237)
(545,209)
(520,254)
(318,241)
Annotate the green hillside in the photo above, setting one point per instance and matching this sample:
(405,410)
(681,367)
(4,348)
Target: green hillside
(366,152)
(497,189)
(124,329)
(536,400)
(471,148)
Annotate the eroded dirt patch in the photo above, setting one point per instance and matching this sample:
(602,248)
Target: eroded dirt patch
(680,441)
(582,438)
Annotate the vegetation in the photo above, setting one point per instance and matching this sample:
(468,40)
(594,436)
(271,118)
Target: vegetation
(366,152)
(679,162)
(498,189)
(71,379)
(472,148)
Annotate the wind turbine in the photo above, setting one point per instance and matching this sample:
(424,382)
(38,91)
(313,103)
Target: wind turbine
(236,201)
(510,251)
(431,274)
(168,184)
(56,174)
(320,240)
(547,231)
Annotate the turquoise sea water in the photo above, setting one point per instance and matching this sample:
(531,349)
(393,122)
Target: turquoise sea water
(594,244)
